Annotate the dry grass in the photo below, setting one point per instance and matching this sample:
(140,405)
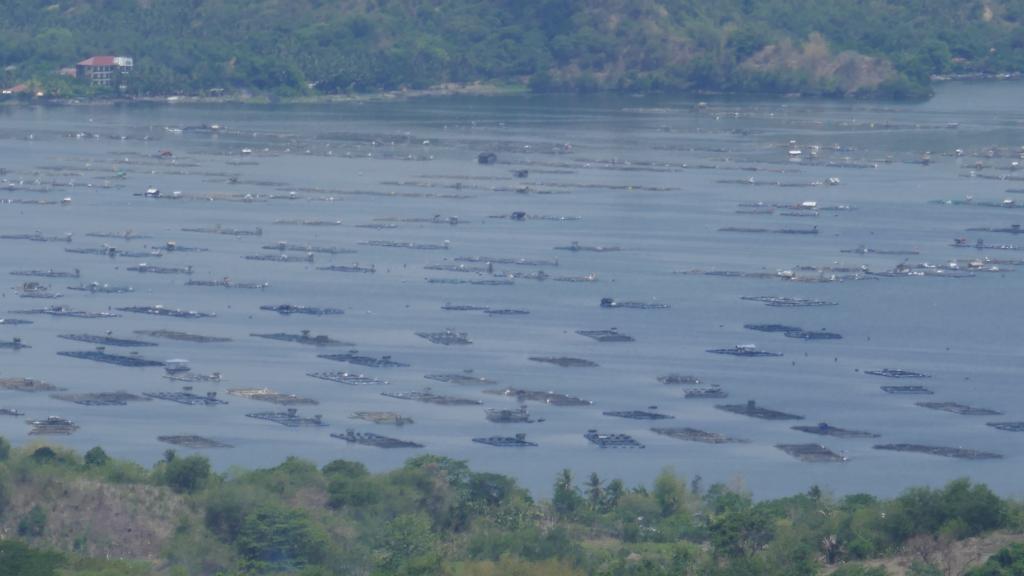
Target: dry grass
(100,520)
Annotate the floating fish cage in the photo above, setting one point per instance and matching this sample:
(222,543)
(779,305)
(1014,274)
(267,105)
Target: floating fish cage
(825,429)
(354,358)
(613,303)
(695,435)
(612,335)
(286,309)
(102,398)
(192,441)
(182,336)
(547,397)
(289,418)
(565,361)
(612,440)
(676,379)
(787,302)
(187,397)
(957,408)
(754,411)
(508,416)
(745,351)
(375,440)
(896,373)
(103,340)
(27,385)
(268,395)
(446,338)
(915,389)
(393,418)
(159,310)
(517,441)
(116,359)
(638,415)
(945,451)
(303,337)
(462,379)
(431,398)
(811,452)
(349,378)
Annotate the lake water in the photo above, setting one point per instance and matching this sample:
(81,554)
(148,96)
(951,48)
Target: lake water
(657,177)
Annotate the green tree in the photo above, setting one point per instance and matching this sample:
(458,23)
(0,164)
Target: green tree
(96,457)
(33,523)
(566,500)
(187,475)
(1007,562)
(595,492)
(17,559)
(670,492)
(280,539)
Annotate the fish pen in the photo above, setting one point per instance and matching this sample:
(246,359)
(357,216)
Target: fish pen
(187,397)
(745,351)
(120,398)
(638,415)
(752,410)
(508,416)
(27,385)
(268,395)
(896,373)
(611,440)
(182,336)
(676,379)
(304,337)
(811,453)
(695,435)
(465,378)
(430,397)
(961,409)
(349,378)
(116,359)
(945,451)
(370,361)
(107,340)
(447,337)
(565,361)
(547,397)
(392,418)
(290,418)
(193,441)
(375,440)
(517,441)
(287,309)
(610,335)
(159,310)
(825,429)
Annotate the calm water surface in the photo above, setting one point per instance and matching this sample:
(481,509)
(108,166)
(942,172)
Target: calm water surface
(657,177)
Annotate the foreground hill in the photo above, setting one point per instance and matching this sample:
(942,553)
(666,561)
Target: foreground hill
(293,47)
(61,513)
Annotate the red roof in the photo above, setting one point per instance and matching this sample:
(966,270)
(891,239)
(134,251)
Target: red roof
(98,61)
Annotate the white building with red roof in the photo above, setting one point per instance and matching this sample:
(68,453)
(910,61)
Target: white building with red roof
(105,70)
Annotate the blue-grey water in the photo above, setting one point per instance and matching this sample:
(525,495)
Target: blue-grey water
(655,176)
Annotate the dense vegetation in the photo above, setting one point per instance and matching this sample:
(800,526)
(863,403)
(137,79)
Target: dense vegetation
(436,516)
(294,47)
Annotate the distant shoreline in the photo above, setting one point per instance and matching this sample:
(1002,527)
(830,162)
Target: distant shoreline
(443,90)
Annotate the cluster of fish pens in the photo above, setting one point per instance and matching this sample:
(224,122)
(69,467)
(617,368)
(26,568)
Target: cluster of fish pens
(460,267)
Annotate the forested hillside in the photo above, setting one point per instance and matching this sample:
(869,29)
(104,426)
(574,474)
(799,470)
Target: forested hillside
(66,514)
(294,47)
